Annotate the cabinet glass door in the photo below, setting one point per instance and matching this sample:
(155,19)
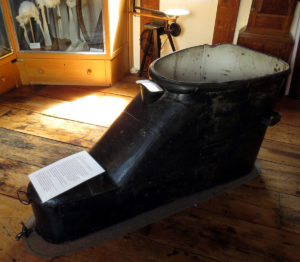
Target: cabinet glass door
(5,47)
(59,25)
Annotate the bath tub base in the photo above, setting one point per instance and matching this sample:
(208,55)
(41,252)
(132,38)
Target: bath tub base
(40,247)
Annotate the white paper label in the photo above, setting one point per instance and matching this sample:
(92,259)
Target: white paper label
(96,50)
(64,174)
(151,86)
(35,45)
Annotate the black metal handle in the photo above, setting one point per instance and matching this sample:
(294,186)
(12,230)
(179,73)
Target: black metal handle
(273,120)
(23,201)
(24,233)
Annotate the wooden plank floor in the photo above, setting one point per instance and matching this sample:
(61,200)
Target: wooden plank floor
(259,221)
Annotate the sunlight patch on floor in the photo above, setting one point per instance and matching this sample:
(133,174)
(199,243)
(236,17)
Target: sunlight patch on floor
(93,109)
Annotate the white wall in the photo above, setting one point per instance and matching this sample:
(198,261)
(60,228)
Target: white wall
(136,44)
(295,20)
(243,17)
(197,27)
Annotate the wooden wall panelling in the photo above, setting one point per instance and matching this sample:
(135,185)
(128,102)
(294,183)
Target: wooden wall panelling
(152,4)
(268,28)
(272,14)
(227,13)
(276,44)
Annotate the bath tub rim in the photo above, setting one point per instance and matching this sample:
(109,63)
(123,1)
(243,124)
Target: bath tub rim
(184,87)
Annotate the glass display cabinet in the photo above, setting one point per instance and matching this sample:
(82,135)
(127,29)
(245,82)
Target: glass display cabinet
(9,76)
(75,42)
(57,25)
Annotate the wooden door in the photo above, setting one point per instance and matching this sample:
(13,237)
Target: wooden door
(227,13)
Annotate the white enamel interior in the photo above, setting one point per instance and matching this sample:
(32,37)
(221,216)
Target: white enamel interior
(220,63)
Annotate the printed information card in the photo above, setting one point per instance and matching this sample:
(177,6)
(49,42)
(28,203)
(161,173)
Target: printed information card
(35,45)
(64,174)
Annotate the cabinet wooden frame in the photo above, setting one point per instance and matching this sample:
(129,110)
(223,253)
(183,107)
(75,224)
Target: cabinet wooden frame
(9,74)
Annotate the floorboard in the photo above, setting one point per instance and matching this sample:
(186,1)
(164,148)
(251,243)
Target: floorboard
(224,238)
(278,152)
(13,176)
(258,206)
(58,129)
(131,248)
(33,150)
(285,133)
(278,177)
(3,110)
(259,221)
(290,111)
(84,109)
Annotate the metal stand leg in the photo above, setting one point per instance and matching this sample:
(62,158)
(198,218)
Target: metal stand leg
(171,41)
(156,44)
